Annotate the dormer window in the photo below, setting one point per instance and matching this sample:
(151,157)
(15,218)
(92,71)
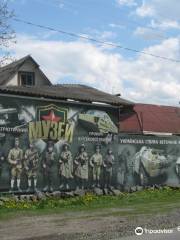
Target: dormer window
(26,79)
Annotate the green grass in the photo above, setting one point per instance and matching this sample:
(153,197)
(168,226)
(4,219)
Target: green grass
(127,204)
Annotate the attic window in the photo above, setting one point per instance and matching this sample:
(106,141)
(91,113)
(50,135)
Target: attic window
(26,78)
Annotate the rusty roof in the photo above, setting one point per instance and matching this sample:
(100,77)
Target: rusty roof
(151,118)
(76,92)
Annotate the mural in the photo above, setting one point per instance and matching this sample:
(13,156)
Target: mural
(49,146)
(148,160)
(65,146)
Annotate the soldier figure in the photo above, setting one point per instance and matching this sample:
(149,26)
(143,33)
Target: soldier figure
(48,163)
(96,162)
(123,171)
(31,160)
(15,158)
(107,164)
(1,161)
(66,166)
(178,167)
(81,167)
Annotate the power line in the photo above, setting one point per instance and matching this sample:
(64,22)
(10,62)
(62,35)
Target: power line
(124,23)
(94,40)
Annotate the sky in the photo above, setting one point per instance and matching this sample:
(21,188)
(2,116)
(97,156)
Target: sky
(150,26)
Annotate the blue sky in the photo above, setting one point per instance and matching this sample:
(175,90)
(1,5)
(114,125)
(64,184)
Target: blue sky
(104,19)
(151,26)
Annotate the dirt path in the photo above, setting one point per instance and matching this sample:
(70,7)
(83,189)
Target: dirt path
(82,225)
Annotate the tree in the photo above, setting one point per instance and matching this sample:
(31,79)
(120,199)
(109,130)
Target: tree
(7,35)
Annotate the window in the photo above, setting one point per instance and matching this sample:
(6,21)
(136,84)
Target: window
(26,78)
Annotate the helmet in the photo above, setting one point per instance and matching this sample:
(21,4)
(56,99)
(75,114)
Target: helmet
(98,146)
(82,146)
(109,150)
(65,144)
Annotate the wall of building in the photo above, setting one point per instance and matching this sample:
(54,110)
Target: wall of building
(51,124)
(13,81)
(148,160)
(29,66)
(122,161)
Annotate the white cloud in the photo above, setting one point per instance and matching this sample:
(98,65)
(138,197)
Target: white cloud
(148,34)
(165,12)
(143,79)
(128,3)
(145,10)
(101,35)
(114,25)
(165,24)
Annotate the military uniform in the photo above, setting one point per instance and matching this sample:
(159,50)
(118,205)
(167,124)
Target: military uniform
(15,158)
(66,167)
(178,167)
(107,164)
(81,167)
(122,171)
(1,161)
(48,164)
(31,165)
(96,162)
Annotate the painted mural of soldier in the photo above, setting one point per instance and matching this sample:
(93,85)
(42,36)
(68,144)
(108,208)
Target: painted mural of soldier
(2,158)
(178,168)
(108,165)
(81,167)
(122,171)
(15,158)
(66,167)
(48,163)
(96,162)
(31,161)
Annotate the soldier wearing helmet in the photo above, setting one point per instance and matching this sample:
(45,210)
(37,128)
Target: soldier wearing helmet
(66,167)
(1,161)
(108,164)
(31,161)
(81,167)
(48,163)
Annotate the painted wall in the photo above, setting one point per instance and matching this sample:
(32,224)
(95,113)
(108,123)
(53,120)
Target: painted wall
(48,126)
(34,154)
(148,160)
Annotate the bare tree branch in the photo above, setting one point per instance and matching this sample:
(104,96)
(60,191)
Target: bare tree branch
(7,35)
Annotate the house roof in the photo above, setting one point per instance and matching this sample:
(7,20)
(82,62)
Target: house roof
(8,71)
(76,92)
(151,119)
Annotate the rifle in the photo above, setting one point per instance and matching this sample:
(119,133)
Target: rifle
(65,157)
(19,161)
(48,162)
(82,159)
(32,159)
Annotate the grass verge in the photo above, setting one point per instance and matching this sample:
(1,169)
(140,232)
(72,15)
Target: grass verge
(145,202)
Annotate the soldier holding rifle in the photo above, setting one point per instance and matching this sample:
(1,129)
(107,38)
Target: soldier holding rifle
(81,167)
(48,164)
(66,167)
(96,163)
(108,164)
(15,158)
(31,160)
